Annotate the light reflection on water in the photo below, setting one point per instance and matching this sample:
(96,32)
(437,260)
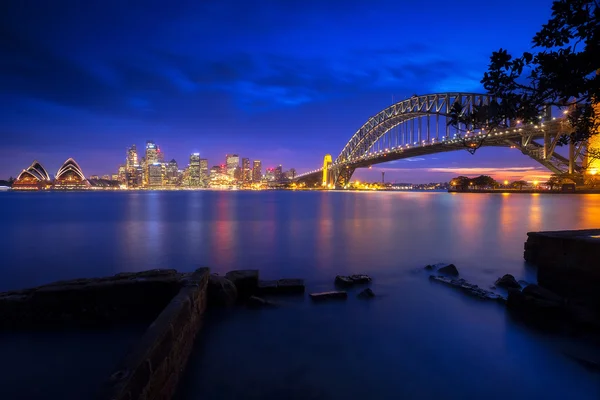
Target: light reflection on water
(416,340)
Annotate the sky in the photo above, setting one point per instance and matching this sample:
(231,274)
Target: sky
(281,81)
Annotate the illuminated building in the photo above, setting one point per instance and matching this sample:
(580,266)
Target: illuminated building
(33,178)
(278,173)
(70,176)
(121,176)
(105,176)
(232,161)
(133,169)
(204,177)
(132,157)
(194,170)
(155,175)
(593,146)
(94,177)
(270,174)
(116,177)
(256,171)
(150,159)
(172,173)
(246,171)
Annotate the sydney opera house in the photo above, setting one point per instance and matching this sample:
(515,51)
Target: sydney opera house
(69,176)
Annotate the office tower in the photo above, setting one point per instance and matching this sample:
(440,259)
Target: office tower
(160,155)
(106,176)
(204,177)
(122,174)
(278,173)
(232,161)
(150,158)
(270,174)
(246,171)
(256,171)
(172,172)
(194,170)
(132,157)
(116,177)
(155,175)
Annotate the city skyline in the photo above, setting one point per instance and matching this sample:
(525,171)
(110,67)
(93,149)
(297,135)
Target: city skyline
(282,81)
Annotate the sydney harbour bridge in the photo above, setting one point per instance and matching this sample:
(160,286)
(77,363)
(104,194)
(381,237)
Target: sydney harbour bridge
(419,126)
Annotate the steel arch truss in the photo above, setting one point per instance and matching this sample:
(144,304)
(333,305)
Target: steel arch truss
(432,106)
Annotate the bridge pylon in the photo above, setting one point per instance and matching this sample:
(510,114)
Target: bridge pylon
(327,161)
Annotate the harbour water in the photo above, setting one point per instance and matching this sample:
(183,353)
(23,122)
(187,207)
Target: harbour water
(416,339)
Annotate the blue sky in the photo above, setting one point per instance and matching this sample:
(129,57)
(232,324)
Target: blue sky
(282,81)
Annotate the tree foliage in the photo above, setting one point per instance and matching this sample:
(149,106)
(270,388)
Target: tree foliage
(518,184)
(560,72)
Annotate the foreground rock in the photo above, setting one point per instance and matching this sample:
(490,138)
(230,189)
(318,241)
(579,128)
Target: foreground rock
(537,305)
(333,295)
(258,302)
(449,269)
(470,289)
(366,294)
(290,286)
(508,281)
(351,280)
(221,292)
(245,280)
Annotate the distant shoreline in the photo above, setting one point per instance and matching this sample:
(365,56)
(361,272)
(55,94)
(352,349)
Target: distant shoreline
(526,191)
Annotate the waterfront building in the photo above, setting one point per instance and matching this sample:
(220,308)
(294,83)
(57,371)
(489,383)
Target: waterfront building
(246,171)
(116,177)
(194,170)
(133,170)
(204,174)
(172,173)
(155,175)
(70,176)
(106,176)
(270,174)
(256,171)
(35,177)
(232,161)
(94,177)
(150,158)
(121,176)
(278,173)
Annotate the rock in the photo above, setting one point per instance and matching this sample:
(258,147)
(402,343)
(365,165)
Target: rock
(523,283)
(449,269)
(429,267)
(266,287)
(290,286)
(508,281)
(245,280)
(341,280)
(360,278)
(366,294)
(469,288)
(220,291)
(334,295)
(541,293)
(492,287)
(258,302)
(542,311)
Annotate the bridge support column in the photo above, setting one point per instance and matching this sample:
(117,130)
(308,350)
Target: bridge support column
(326,170)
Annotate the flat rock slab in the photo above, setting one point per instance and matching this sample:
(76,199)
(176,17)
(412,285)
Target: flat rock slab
(468,288)
(290,286)
(342,280)
(333,295)
(267,287)
(366,294)
(259,302)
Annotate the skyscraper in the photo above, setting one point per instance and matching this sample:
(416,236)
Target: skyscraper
(150,158)
(194,170)
(204,174)
(132,157)
(246,171)
(232,161)
(256,171)
(172,172)
(278,175)
(132,168)
(155,174)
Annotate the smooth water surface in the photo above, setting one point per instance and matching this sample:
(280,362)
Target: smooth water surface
(415,340)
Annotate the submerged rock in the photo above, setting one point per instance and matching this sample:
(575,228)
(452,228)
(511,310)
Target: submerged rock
(266,287)
(366,294)
(508,281)
(290,286)
(343,280)
(333,295)
(220,291)
(246,281)
(449,269)
(429,267)
(469,288)
(258,302)
(536,305)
